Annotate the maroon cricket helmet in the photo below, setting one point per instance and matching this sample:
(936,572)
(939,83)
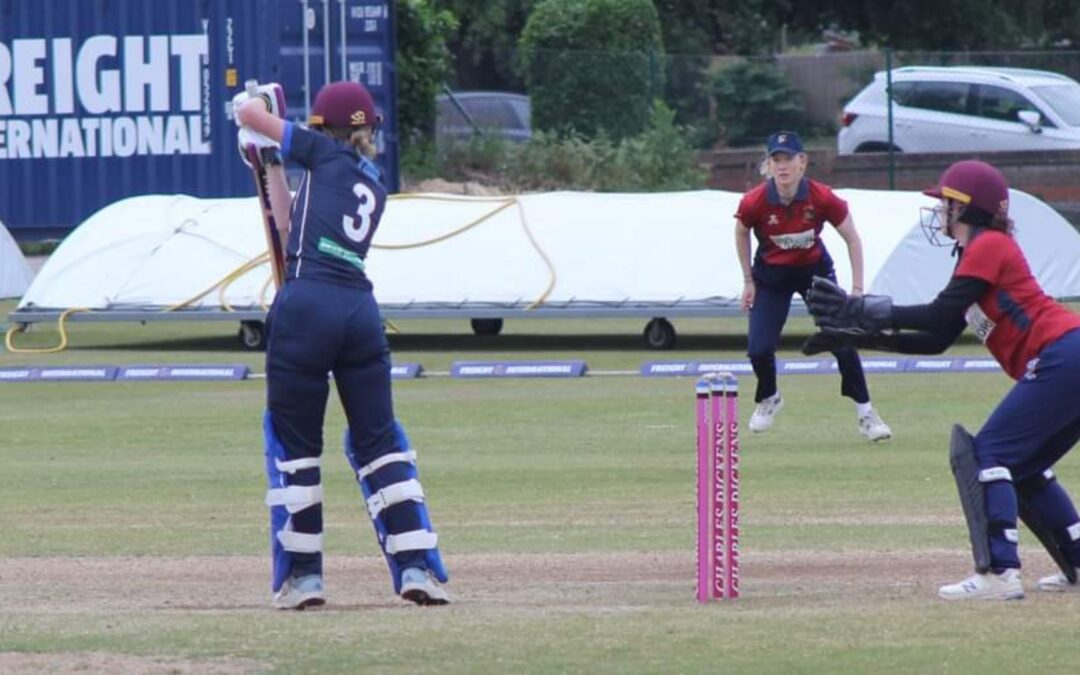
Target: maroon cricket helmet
(344,104)
(974,183)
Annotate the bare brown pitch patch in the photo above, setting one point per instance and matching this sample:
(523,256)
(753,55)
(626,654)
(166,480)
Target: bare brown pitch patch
(81,663)
(235,583)
(484,587)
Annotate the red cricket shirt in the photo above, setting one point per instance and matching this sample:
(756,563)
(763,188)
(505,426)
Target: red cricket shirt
(1015,319)
(790,234)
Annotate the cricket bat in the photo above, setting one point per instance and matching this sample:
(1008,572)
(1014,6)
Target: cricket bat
(273,240)
(262,185)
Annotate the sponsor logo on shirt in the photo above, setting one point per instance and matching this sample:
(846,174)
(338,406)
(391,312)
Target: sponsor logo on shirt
(332,248)
(798,240)
(980,324)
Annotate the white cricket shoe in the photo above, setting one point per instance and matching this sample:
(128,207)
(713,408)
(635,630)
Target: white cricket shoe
(873,427)
(421,587)
(989,586)
(765,413)
(1057,583)
(300,593)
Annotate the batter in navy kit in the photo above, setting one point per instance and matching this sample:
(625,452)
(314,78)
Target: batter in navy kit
(325,320)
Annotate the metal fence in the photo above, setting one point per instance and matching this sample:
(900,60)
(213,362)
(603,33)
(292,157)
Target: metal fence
(939,106)
(940,101)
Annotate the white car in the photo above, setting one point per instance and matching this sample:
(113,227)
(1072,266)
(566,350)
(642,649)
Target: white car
(964,109)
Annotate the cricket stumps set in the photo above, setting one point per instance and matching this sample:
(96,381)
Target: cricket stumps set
(717,487)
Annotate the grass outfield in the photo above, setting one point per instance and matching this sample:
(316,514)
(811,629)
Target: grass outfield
(134,535)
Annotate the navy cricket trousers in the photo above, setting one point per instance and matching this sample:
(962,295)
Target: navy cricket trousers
(775,285)
(317,328)
(1036,423)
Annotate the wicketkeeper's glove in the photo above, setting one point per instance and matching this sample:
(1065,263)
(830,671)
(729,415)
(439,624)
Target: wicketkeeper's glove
(832,308)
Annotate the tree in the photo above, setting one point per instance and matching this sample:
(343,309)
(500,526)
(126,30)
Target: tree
(423,64)
(592,66)
(485,41)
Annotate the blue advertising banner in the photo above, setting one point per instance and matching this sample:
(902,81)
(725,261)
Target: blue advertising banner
(518,369)
(217,371)
(406,371)
(100,101)
(872,364)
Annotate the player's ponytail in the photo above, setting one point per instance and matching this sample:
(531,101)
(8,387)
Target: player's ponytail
(977,217)
(361,138)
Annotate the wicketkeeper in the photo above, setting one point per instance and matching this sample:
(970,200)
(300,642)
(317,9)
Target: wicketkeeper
(1005,471)
(325,320)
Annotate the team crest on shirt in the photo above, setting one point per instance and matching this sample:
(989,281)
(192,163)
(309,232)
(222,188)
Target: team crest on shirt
(773,219)
(809,215)
(1032,369)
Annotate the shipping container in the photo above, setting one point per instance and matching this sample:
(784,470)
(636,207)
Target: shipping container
(106,99)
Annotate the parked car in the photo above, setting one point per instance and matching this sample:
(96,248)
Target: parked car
(463,114)
(964,109)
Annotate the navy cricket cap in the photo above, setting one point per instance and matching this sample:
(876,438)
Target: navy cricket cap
(787,142)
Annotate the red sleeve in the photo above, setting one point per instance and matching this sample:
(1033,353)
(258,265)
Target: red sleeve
(747,213)
(834,209)
(984,257)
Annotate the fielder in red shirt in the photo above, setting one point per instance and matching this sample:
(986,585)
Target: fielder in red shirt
(1003,473)
(787,213)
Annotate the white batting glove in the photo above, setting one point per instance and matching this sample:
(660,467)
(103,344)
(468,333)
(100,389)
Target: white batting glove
(272,95)
(246,138)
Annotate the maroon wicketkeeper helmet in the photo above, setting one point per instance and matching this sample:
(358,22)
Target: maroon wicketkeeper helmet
(974,183)
(344,104)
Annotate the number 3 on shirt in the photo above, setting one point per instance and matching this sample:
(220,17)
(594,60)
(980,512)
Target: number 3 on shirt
(358,232)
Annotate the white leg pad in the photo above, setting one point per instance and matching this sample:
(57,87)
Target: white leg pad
(1074,531)
(394,494)
(995,473)
(292,466)
(297,542)
(411,541)
(295,497)
(408,457)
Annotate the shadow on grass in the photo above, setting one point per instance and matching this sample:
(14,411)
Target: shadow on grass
(564,342)
(461,342)
(206,343)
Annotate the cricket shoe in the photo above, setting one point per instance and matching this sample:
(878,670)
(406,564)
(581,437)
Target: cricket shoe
(765,413)
(419,586)
(989,586)
(1057,583)
(873,427)
(300,593)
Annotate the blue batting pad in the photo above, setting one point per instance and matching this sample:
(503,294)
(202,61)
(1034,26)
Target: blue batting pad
(396,473)
(284,542)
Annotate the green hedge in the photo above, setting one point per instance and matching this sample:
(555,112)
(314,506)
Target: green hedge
(754,99)
(658,159)
(423,63)
(592,66)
